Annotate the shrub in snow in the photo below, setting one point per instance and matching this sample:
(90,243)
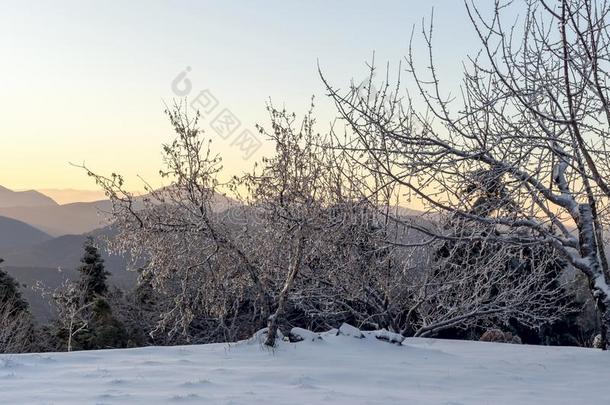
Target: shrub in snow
(300,334)
(261,335)
(349,330)
(515,340)
(388,336)
(597,341)
(492,335)
(496,335)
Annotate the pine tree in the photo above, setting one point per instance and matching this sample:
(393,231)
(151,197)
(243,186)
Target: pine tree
(104,331)
(93,274)
(86,320)
(9,292)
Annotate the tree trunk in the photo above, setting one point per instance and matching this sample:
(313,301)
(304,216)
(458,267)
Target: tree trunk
(598,283)
(293,270)
(605,323)
(70,334)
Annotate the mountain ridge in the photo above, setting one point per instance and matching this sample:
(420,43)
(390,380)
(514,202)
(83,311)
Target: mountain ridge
(27,198)
(15,234)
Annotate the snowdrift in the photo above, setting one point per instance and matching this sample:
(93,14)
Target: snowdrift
(336,367)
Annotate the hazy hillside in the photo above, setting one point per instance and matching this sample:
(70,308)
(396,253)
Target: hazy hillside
(64,251)
(52,261)
(76,218)
(32,256)
(51,278)
(56,220)
(30,198)
(16,234)
(69,195)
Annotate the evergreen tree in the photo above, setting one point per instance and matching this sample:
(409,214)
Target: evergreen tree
(105,331)
(93,274)
(16,327)
(9,292)
(87,321)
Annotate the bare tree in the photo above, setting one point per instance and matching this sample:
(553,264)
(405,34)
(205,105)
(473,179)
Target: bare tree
(478,282)
(360,276)
(338,257)
(528,132)
(16,325)
(73,311)
(16,328)
(295,193)
(215,270)
(175,237)
(304,239)
(392,276)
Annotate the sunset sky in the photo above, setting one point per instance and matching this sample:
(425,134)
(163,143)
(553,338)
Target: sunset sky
(86,82)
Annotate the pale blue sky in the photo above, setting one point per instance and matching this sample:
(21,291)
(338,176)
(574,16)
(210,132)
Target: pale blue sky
(84,81)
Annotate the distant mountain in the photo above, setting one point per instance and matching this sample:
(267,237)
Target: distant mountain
(50,278)
(61,252)
(55,260)
(30,198)
(69,195)
(47,278)
(77,218)
(16,234)
(59,220)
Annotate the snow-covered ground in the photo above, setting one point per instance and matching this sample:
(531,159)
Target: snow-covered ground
(334,370)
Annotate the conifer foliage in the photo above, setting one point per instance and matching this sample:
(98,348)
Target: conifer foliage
(93,273)
(85,317)
(15,320)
